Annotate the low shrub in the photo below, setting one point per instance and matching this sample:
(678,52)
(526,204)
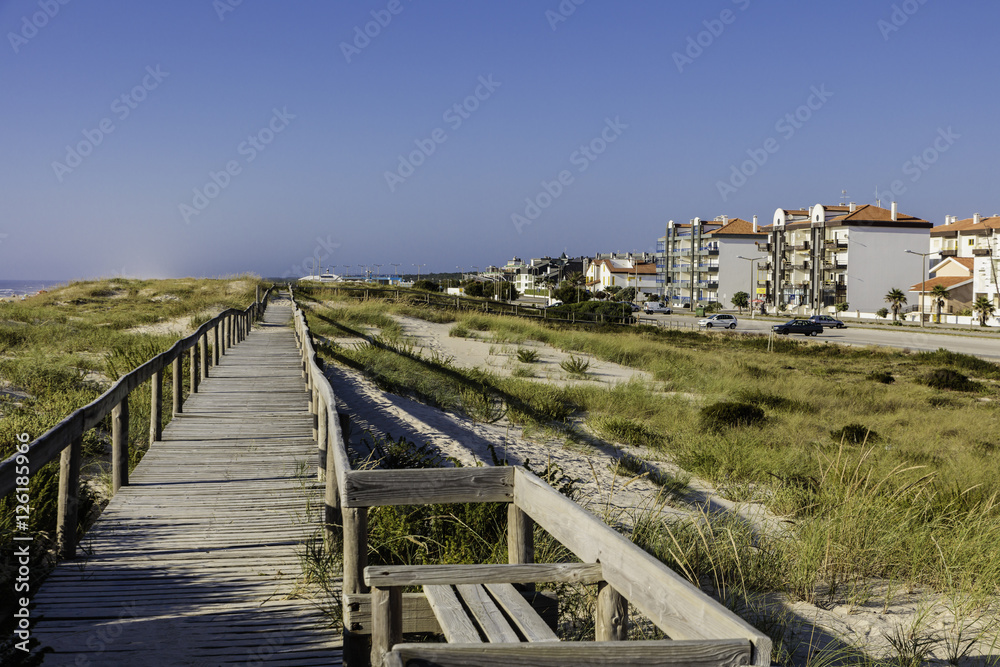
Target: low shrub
(527,356)
(854,434)
(460,331)
(627,431)
(884,377)
(949,379)
(730,414)
(575,365)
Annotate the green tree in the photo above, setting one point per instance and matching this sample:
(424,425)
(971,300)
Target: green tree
(983,307)
(939,294)
(474,288)
(895,298)
(882,313)
(842,307)
(568,293)
(504,289)
(427,285)
(741,300)
(627,294)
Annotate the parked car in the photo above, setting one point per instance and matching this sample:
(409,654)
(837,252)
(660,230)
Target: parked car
(719,320)
(656,307)
(827,321)
(635,307)
(804,327)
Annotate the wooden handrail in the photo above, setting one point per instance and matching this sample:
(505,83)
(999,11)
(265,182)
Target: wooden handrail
(65,439)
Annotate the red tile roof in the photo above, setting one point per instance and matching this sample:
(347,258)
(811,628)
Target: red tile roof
(947,281)
(736,226)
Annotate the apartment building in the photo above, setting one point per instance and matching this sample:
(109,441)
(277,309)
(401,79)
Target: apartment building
(623,272)
(700,262)
(540,273)
(827,255)
(975,243)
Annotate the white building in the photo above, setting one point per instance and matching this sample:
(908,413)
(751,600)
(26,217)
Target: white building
(622,272)
(975,239)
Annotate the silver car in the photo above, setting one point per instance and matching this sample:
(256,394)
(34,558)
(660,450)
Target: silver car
(718,320)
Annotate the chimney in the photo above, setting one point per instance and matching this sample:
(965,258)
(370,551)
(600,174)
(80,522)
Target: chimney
(853,207)
(975,218)
(755,224)
(725,219)
(894,213)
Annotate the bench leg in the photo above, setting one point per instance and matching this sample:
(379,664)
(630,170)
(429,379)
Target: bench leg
(387,621)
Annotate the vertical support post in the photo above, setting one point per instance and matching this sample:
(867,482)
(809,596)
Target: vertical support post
(215,345)
(611,617)
(333,522)
(119,445)
(387,621)
(69,488)
(203,350)
(321,438)
(355,561)
(194,369)
(520,540)
(178,385)
(156,407)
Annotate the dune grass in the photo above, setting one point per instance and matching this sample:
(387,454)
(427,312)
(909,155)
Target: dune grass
(916,504)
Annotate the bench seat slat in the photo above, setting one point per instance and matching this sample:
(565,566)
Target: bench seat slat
(486,613)
(448,610)
(523,614)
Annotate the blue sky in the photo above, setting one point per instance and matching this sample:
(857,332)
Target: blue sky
(220,139)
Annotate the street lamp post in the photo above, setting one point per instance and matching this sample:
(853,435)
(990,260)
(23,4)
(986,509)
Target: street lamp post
(753,281)
(923,283)
(395,271)
(378,268)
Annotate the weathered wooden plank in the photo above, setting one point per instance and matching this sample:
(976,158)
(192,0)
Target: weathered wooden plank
(454,622)
(416,575)
(119,445)
(487,614)
(523,614)
(368,488)
(69,489)
(715,653)
(611,615)
(387,621)
(417,613)
(672,603)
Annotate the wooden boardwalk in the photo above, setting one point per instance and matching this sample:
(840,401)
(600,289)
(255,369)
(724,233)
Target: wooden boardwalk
(197,561)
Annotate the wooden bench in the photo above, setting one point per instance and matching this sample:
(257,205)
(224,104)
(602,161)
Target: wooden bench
(470,602)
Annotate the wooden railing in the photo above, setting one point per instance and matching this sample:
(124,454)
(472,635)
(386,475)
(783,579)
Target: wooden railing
(622,570)
(65,439)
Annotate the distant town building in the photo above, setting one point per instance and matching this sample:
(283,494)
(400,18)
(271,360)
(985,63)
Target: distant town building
(972,243)
(828,255)
(637,271)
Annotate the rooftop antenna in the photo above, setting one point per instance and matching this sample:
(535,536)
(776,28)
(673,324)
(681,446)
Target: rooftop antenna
(878,202)
(843,198)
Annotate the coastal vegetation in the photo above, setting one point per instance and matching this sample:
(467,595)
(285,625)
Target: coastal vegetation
(880,464)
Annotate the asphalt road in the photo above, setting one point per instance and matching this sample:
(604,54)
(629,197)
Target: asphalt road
(910,337)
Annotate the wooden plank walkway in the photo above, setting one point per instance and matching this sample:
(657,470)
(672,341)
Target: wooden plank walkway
(197,561)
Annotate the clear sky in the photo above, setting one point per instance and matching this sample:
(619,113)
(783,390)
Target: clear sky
(194,137)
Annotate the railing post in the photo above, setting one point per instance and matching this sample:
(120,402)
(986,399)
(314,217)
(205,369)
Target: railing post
(194,369)
(69,489)
(520,540)
(215,344)
(611,617)
(355,561)
(331,496)
(156,407)
(119,445)
(177,388)
(203,350)
(321,438)
(387,621)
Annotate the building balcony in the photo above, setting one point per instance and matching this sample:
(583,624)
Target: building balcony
(834,266)
(801,266)
(801,246)
(949,252)
(980,252)
(763,247)
(835,244)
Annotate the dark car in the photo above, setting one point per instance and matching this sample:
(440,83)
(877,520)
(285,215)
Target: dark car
(804,327)
(827,321)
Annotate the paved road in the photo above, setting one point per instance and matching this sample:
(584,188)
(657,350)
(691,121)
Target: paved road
(986,345)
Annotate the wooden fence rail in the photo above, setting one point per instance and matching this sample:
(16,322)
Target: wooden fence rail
(703,630)
(65,439)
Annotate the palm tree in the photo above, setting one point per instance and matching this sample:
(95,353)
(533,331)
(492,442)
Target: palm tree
(895,298)
(984,307)
(939,294)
